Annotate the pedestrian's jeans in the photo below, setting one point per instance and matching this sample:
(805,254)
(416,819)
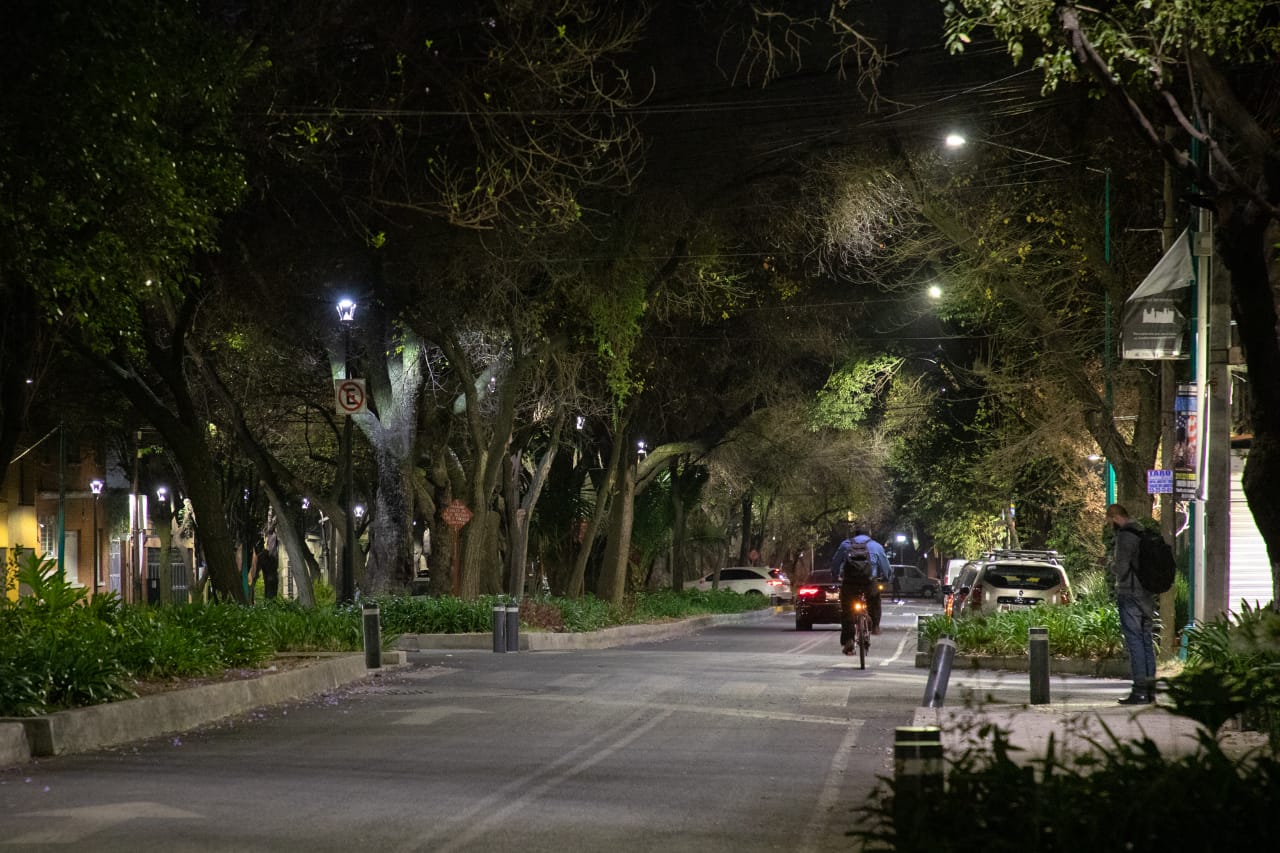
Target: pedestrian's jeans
(1137,614)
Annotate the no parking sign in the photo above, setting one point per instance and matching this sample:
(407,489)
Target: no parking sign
(350,397)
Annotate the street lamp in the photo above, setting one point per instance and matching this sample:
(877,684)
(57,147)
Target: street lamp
(96,487)
(346,316)
(958,140)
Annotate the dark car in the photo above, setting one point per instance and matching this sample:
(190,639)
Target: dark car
(817,600)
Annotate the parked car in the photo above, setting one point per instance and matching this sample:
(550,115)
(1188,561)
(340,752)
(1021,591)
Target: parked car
(1008,580)
(817,601)
(751,580)
(913,581)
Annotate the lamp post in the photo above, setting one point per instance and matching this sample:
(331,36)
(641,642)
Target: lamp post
(957,140)
(346,316)
(96,487)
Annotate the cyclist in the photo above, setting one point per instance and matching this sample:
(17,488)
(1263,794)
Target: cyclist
(861,547)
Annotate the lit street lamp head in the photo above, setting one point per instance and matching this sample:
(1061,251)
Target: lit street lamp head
(346,311)
(954,140)
(95,486)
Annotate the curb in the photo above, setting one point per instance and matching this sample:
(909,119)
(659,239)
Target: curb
(114,723)
(606,638)
(1108,668)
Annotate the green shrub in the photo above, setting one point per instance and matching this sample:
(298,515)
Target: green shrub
(1083,630)
(1233,671)
(1116,798)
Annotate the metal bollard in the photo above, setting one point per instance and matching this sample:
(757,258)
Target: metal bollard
(513,626)
(372,635)
(917,781)
(500,628)
(922,642)
(1038,650)
(935,689)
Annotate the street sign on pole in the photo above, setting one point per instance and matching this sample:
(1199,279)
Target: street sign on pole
(349,397)
(1160,481)
(456,515)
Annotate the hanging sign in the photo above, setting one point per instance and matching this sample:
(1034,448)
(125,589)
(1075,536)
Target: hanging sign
(1186,444)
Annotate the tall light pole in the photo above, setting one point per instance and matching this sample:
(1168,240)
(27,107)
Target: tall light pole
(346,316)
(956,140)
(96,487)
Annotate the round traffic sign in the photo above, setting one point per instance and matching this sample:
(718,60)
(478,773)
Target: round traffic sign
(351,396)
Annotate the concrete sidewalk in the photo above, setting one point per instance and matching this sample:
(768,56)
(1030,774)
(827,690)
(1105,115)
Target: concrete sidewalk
(1083,715)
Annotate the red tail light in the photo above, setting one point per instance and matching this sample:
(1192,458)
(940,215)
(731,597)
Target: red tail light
(806,591)
(1065,596)
(774,583)
(975,595)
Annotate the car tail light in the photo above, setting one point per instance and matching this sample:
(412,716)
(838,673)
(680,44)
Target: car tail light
(975,595)
(1064,596)
(774,583)
(806,591)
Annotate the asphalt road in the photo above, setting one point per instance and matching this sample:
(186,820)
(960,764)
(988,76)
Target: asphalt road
(747,737)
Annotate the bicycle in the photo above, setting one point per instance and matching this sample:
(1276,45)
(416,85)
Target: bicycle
(859,630)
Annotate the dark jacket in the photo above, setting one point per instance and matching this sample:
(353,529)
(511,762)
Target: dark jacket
(1126,557)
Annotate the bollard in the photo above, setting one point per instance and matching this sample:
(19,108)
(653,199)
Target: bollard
(917,781)
(372,635)
(513,626)
(935,689)
(1038,643)
(922,642)
(500,628)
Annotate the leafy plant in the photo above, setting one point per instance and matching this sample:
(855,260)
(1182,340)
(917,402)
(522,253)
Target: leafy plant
(1115,797)
(1233,671)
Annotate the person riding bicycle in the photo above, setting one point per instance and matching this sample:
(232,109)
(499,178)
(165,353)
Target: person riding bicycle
(870,566)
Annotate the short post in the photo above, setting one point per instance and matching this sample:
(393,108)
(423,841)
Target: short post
(935,689)
(922,641)
(917,781)
(1038,643)
(500,627)
(372,634)
(513,626)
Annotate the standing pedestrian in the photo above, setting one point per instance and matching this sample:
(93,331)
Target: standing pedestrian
(1136,605)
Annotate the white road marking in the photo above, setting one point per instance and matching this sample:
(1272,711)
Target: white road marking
(434,714)
(830,793)
(741,689)
(826,694)
(73,825)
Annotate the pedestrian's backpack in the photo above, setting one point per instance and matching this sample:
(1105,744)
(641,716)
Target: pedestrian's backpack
(857,562)
(1156,566)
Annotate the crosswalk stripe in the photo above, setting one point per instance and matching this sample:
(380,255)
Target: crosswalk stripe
(741,689)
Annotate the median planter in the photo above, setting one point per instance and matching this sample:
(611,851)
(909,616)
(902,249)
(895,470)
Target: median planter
(1103,668)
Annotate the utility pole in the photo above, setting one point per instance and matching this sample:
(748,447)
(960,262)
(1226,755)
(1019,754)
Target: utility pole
(1168,389)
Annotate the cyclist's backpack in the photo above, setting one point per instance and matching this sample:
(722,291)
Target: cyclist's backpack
(857,563)
(1156,566)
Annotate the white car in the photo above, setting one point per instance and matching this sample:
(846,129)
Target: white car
(751,580)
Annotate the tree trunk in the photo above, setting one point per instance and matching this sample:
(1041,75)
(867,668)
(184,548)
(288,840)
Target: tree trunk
(617,552)
(520,508)
(744,547)
(603,496)
(678,525)
(301,561)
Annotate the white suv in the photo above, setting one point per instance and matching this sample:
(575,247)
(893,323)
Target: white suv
(751,580)
(1011,580)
